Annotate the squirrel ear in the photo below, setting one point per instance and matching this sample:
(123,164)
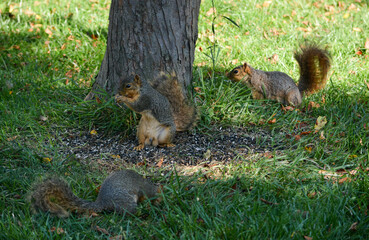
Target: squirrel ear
(137,79)
(246,68)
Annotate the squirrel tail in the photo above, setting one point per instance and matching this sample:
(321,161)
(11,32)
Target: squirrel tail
(184,113)
(314,64)
(55,196)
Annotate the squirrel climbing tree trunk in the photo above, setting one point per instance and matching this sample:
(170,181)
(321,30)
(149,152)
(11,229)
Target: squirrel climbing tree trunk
(146,38)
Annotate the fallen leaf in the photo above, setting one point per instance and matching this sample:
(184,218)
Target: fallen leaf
(345,179)
(49,32)
(309,149)
(207,154)
(297,137)
(94,214)
(69,74)
(93,132)
(313,105)
(266,4)
(43,118)
(353,226)
(366,45)
(267,202)
(288,108)
(322,135)
(98,100)
(46,159)
(274,58)
(272,121)
(234,61)
(102,230)
(320,122)
(211,12)
(160,163)
(311,195)
(308,238)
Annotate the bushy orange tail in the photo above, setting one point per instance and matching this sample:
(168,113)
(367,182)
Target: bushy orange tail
(55,196)
(184,113)
(314,65)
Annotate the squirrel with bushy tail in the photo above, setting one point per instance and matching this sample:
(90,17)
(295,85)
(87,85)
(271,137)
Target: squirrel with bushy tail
(314,64)
(120,192)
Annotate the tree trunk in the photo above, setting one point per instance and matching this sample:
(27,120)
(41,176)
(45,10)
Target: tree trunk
(146,38)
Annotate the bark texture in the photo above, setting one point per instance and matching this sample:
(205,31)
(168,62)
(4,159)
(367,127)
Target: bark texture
(146,38)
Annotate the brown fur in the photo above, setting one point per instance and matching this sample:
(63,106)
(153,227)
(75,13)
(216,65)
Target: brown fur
(314,65)
(184,113)
(157,125)
(151,132)
(120,192)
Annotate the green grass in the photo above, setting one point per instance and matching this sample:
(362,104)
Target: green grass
(50,52)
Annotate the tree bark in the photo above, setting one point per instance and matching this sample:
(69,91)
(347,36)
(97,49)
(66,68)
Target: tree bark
(146,38)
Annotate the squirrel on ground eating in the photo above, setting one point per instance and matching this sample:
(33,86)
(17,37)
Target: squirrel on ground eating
(163,106)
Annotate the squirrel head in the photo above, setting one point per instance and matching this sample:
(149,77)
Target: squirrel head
(240,73)
(130,88)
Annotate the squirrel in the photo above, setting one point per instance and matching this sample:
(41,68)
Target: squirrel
(120,192)
(314,64)
(163,106)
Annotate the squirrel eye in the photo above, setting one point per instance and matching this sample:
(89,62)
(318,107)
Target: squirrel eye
(235,71)
(128,85)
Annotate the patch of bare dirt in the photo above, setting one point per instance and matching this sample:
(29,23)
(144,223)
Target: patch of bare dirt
(192,148)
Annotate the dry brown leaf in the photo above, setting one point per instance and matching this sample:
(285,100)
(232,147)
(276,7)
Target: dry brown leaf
(102,230)
(345,179)
(274,58)
(313,105)
(49,32)
(234,61)
(309,149)
(160,163)
(353,226)
(366,45)
(272,121)
(211,11)
(308,238)
(297,137)
(267,202)
(266,4)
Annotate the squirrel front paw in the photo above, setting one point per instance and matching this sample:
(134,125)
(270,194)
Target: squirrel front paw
(139,147)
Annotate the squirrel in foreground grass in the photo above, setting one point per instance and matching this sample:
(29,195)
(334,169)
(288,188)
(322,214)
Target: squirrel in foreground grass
(163,106)
(314,65)
(120,192)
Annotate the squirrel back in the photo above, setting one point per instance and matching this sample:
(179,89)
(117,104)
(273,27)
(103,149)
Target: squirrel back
(120,192)
(314,64)
(184,113)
